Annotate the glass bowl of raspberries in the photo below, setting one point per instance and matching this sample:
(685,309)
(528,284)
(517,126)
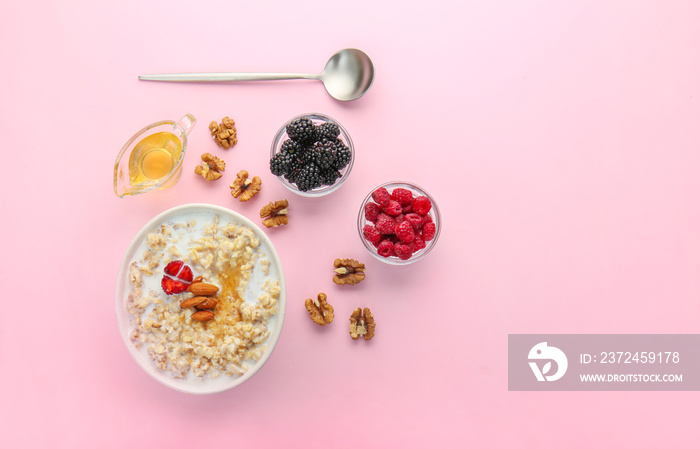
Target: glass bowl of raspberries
(312,155)
(399,222)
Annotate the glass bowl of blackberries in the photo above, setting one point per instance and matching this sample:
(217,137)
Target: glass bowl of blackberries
(312,155)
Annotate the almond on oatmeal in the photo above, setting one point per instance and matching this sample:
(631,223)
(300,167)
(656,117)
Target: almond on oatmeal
(203,315)
(209,303)
(202,289)
(193,302)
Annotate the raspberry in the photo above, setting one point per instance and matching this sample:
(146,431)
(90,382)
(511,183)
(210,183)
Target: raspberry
(426,219)
(429,231)
(400,218)
(421,205)
(385,224)
(419,242)
(385,248)
(381,196)
(415,220)
(404,232)
(403,196)
(371,233)
(372,211)
(407,209)
(403,251)
(392,207)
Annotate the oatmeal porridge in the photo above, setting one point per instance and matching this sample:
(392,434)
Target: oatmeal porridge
(226,254)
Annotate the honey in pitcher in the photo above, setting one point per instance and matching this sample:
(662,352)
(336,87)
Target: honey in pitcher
(154,157)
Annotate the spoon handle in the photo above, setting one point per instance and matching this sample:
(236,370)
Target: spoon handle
(221,77)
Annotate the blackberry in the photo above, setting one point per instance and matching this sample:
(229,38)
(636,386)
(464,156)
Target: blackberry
(280,163)
(309,177)
(291,147)
(329,176)
(295,165)
(302,130)
(342,155)
(293,170)
(323,154)
(327,130)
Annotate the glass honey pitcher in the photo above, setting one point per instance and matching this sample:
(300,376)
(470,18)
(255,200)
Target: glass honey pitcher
(152,158)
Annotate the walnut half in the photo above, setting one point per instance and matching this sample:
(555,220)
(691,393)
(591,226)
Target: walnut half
(348,271)
(321,312)
(275,214)
(244,188)
(224,134)
(211,167)
(362,324)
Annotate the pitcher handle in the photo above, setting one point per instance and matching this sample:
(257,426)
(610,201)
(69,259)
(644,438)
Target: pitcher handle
(187,123)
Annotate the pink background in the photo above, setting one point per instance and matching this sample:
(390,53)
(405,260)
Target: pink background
(560,140)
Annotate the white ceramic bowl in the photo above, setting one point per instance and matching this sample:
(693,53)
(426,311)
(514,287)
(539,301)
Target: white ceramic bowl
(125,321)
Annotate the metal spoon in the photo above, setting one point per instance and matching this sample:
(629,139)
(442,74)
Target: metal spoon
(347,76)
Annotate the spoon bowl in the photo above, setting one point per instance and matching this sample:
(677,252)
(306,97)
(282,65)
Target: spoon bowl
(347,76)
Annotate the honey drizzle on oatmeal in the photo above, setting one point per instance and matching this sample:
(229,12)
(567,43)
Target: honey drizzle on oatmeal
(227,310)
